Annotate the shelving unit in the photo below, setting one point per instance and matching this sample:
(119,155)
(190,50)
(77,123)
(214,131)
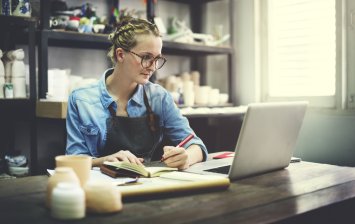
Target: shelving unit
(27,33)
(19,30)
(197,52)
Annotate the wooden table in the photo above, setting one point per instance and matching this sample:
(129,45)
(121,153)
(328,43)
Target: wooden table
(302,193)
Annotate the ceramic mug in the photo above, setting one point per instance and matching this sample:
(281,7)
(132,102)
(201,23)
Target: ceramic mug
(81,165)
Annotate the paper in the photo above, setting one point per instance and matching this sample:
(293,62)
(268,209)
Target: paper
(96,175)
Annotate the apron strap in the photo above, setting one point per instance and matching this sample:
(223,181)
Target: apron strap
(112,111)
(151,116)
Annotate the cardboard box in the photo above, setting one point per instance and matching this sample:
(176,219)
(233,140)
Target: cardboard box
(51,109)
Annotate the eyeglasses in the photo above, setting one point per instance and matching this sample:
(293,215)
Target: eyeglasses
(147,60)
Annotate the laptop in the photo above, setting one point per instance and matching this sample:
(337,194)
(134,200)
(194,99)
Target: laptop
(266,141)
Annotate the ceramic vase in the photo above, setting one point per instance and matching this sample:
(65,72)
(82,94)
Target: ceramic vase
(5,8)
(102,197)
(61,174)
(8,60)
(18,74)
(2,68)
(68,202)
(2,76)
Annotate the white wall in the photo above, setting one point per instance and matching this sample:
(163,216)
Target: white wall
(217,65)
(245,52)
(351,51)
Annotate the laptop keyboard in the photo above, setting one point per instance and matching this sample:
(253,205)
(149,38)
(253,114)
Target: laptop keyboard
(222,169)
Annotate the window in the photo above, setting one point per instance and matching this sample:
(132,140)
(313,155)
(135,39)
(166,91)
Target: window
(301,52)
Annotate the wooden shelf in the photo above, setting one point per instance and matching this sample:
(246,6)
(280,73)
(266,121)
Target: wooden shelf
(57,110)
(71,39)
(16,20)
(100,41)
(21,108)
(177,48)
(193,1)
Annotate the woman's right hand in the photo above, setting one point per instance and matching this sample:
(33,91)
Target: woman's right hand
(124,155)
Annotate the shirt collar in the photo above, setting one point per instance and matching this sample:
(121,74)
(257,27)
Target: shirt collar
(106,99)
(138,95)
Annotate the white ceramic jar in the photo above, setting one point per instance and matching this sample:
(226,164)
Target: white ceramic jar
(68,201)
(61,174)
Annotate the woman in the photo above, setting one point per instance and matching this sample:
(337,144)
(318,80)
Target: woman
(124,117)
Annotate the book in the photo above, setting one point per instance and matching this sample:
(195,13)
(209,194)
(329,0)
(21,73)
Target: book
(126,169)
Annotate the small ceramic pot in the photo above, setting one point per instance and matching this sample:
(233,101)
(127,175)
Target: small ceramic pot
(61,174)
(68,202)
(102,197)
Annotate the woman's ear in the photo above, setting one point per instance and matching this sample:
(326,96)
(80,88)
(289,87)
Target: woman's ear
(119,55)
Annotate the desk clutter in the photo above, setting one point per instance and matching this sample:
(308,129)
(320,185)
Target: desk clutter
(103,194)
(70,194)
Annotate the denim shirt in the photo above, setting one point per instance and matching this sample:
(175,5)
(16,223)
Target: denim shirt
(88,111)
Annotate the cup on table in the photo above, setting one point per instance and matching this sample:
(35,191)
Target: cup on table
(81,165)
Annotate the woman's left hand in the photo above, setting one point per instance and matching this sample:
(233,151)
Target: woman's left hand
(176,157)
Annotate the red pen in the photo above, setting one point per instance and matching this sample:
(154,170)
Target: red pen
(182,143)
(186,140)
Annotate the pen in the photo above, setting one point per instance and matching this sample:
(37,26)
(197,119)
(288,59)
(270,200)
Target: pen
(188,138)
(182,143)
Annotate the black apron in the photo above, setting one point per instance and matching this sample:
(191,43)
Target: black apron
(140,135)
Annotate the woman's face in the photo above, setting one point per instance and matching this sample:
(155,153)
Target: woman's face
(146,45)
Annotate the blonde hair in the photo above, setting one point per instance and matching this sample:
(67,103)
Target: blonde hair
(125,35)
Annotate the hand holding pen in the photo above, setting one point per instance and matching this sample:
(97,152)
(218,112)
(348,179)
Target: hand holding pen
(181,144)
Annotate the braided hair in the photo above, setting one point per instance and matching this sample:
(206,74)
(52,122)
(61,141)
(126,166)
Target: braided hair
(125,34)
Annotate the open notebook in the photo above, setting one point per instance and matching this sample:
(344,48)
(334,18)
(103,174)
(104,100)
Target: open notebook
(266,141)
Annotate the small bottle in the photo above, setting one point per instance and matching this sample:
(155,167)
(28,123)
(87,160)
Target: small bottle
(181,97)
(68,201)
(8,90)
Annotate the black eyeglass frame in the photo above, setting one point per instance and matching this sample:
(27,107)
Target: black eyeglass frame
(154,60)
